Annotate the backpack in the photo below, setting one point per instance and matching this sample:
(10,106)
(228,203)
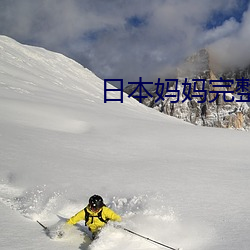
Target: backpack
(88,216)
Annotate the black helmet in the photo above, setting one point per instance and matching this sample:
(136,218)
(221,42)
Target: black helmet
(95,202)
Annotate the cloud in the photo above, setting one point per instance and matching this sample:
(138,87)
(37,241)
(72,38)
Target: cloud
(123,39)
(229,27)
(232,50)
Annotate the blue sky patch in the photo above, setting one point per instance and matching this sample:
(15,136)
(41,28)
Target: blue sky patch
(136,21)
(219,17)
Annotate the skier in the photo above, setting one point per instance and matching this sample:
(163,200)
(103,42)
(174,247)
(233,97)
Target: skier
(95,214)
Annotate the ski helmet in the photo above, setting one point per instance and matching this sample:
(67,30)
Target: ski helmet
(95,202)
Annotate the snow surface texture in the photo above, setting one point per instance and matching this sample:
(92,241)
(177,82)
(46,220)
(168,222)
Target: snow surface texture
(173,182)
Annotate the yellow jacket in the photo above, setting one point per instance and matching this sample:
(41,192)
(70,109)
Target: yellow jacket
(94,223)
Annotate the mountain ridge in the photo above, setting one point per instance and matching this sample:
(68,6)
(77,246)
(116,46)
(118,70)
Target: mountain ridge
(218,113)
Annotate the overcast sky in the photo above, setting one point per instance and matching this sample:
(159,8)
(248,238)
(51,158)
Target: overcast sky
(131,38)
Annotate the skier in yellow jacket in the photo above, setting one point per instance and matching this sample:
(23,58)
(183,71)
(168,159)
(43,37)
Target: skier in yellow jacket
(96,215)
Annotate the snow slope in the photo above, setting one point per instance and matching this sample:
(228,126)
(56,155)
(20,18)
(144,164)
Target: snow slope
(176,183)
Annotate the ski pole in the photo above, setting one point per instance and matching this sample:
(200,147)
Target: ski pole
(45,228)
(146,238)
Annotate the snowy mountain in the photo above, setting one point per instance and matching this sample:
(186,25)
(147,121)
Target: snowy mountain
(182,185)
(199,103)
